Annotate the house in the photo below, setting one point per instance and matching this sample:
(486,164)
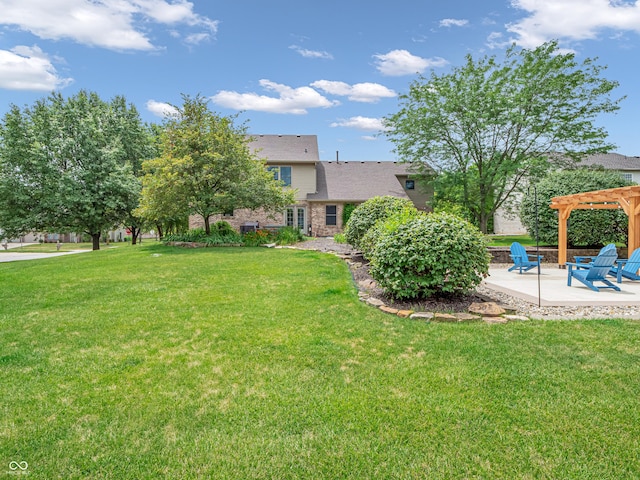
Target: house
(323,187)
(628,167)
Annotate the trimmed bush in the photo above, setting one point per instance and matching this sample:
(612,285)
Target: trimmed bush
(386,225)
(430,255)
(223,228)
(365,215)
(220,236)
(585,227)
(289,236)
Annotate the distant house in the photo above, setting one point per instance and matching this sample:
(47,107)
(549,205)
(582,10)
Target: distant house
(628,167)
(323,188)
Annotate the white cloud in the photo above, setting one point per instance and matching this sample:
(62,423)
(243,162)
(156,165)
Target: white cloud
(29,68)
(111,24)
(571,20)
(360,123)
(311,53)
(161,109)
(289,100)
(359,92)
(401,62)
(196,38)
(453,22)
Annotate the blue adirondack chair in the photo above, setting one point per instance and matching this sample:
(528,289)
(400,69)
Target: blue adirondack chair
(587,259)
(627,268)
(595,272)
(521,260)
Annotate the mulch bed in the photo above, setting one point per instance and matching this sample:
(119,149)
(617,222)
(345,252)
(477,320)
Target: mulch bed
(453,303)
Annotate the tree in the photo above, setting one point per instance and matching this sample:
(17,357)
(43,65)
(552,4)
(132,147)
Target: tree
(492,126)
(586,227)
(206,167)
(66,165)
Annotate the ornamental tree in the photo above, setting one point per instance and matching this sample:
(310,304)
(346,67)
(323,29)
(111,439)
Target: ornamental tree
(493,125)
(67,165)
(206,167)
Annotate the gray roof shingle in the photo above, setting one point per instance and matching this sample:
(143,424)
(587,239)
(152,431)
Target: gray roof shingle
(612,161)
(286,148)
(358,181)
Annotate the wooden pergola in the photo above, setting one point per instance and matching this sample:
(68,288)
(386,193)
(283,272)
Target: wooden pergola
(626,198)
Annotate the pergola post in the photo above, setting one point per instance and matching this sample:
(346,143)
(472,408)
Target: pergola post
(634,225)
(563,215)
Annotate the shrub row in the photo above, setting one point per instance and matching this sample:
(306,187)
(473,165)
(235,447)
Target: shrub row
(222,233)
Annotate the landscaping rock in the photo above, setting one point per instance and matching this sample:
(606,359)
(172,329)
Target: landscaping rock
(519,318)
(495,320)
(404,313)
(367,284)
(376,302)
(490,309)
(391,310)
(466,317)
(444,317)
(421,316)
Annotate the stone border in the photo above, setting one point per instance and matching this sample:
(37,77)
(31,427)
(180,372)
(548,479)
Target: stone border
(489,312)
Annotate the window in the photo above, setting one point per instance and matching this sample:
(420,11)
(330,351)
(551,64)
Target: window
(627,177)
(281,173)
(228,213)
(409,184)
(331,215)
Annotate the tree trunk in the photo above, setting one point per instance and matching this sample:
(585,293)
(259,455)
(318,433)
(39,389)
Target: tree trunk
(207,225)
(134,235)
(95,238)
(159,228)
(484,222)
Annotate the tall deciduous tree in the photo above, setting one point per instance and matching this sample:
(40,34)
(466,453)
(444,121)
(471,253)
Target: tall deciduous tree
(494,125)
(206,167)
(67,165)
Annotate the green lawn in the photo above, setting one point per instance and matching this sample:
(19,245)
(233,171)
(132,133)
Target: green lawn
(507,240)
(156,362)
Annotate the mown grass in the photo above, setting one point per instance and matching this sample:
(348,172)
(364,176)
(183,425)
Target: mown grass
(507,240)
(157,362)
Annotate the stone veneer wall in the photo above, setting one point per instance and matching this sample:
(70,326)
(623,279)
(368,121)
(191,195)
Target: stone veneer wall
(319,228)
(239,217)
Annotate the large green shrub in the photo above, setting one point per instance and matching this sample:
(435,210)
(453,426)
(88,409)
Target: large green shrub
(347,210)
(585,227)
(388,224)
(365,215)
(430,255)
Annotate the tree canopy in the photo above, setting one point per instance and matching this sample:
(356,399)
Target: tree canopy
(66,165)
(206,167)
(489,126)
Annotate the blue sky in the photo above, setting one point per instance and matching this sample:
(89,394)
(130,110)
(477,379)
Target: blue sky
(330,68)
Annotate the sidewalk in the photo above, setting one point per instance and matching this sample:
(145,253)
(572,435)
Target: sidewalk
(6,256)
(554,290)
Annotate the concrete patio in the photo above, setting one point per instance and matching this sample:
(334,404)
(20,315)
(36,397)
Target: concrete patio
(553,290)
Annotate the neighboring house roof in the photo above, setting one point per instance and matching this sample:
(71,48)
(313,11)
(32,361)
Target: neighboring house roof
(358,181)
(286,148)
(612,161)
